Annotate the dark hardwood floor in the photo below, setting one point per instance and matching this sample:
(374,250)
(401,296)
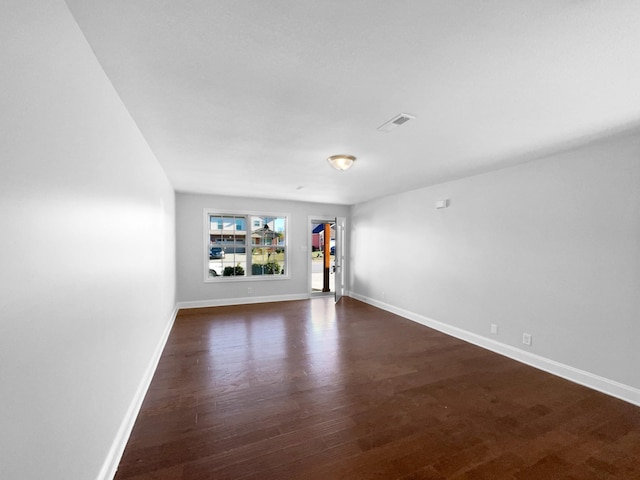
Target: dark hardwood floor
(308,390)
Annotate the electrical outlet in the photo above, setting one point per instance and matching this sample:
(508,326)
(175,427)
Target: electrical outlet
(494,328)
(526,338)
(249,290)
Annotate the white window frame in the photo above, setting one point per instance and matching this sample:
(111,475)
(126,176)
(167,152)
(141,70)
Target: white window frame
(208,212)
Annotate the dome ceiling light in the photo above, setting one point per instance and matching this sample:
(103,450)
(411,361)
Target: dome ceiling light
(341,162)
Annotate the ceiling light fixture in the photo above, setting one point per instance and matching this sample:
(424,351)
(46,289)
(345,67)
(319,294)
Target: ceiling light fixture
(341,162)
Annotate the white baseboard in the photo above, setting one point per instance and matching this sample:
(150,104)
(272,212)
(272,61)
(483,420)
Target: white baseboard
(241,301)
(587,379)
(110,465)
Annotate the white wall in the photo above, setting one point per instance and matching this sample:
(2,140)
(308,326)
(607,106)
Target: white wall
(192,289)
(87,247)
(550,247)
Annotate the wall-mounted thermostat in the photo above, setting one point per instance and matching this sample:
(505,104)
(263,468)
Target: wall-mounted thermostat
(442,203)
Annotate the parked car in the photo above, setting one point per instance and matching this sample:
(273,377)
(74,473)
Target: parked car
(216,252)
(332,251)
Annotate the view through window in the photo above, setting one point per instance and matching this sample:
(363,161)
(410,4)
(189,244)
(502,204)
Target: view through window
(245,245)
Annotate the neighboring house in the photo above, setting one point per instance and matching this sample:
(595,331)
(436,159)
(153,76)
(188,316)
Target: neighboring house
(230,233)
(317,236)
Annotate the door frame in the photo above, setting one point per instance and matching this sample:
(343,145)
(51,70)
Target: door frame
(340,259)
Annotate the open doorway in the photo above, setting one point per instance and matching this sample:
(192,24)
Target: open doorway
(322,241)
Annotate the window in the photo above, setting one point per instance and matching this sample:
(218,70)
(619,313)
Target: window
(233,251)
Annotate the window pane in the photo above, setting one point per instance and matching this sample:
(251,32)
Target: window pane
(216,223)
(236,262)
(216,249)
(227,249)
(268,245)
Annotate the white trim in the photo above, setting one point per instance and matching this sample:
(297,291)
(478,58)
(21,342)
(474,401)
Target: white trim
(340,257)
(223,302)
(582,377)
(110,465)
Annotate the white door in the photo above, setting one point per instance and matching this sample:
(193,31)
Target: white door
(339,257)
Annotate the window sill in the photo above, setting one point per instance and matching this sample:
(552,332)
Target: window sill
(253,278)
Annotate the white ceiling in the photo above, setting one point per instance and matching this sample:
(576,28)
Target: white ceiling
(249,97)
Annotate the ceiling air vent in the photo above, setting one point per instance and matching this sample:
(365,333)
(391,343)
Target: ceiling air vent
(395,122)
